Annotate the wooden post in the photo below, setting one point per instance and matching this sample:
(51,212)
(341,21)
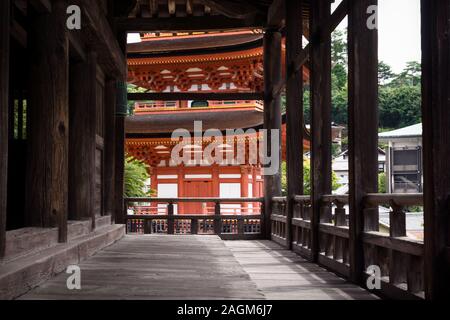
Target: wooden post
(294,110)
(436,150)
(119,169)
(363,129)
(48,139)
(109,149)
(83,100)
(5,10)
(272,118)
(321,116)
(120,143)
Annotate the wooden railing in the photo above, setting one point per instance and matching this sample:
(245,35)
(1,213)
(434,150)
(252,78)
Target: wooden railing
(334,234)
(399,257)
(157,215)
(168,105)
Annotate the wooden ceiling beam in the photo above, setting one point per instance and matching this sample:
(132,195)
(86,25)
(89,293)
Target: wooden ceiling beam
(104,41)
(185,24)
(41,6)
(232,9)
(336,18)
(172,8)
(275,15)
(189,7)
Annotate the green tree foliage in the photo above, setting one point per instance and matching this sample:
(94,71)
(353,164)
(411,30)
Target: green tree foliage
(410,76)
(382,182)
(135,176)
(134,89)
(306,178)
(399,106)
(385,73)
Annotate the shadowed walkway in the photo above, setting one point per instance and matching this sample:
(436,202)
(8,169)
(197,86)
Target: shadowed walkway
(198,267)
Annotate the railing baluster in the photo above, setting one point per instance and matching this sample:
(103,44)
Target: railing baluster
(397,220)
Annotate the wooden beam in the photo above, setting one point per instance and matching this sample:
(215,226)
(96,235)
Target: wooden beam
(272,120)
(276,14)
(19,33)
(83,99)
(436,150)
(363,129)
(237,10)
(41,6)
(321,118)
(77,49)
(294,111)
(96,27)
(302,57)
(336,18)
(175,96)
(190,23)
(109,150)
(48,114)
(5,18)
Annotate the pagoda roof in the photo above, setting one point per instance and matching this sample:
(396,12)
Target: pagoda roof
(168,120)
(184,43)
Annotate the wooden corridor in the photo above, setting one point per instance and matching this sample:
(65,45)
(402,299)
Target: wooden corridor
(199,267)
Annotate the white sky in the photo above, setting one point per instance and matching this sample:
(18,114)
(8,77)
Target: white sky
(398,32)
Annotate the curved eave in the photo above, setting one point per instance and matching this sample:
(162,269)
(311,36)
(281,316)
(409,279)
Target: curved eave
(167,123)
(221,42)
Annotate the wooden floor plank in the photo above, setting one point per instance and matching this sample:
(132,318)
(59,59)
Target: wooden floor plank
(198,267)
(282,274)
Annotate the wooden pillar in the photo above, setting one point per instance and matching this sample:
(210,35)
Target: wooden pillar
(363,128)
(109,146)
(83,100)
(320,115)
(244,187)
(436,149)
(5,10)
(294,110)
(48,139)
(272,118)
(119,186)
(119,169)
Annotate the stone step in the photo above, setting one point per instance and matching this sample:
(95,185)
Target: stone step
(102,221)
(22,274)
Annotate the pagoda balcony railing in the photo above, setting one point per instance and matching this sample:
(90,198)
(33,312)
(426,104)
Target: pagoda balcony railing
(230,218)
(155,106)
(398,257)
